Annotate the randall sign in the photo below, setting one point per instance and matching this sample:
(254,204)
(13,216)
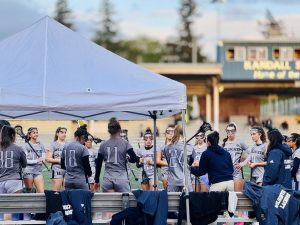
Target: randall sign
(279,70)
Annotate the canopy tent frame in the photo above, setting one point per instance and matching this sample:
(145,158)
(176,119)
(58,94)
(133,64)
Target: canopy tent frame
(38,54)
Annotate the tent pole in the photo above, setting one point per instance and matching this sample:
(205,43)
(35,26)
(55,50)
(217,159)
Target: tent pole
(186,174)
(154,145)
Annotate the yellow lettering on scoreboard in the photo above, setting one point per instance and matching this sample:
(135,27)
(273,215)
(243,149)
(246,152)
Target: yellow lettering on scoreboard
(268,65)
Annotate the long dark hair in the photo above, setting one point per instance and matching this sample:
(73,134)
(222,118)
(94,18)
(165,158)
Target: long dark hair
(226,139)
(113,126)
(30,129)
(260,130)
(81,131)
(7,136)
(296,139)
(275,138)
(57,131)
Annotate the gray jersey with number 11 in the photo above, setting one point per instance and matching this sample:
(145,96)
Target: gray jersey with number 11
(114,152)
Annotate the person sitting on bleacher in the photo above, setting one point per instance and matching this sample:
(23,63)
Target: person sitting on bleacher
(217,163)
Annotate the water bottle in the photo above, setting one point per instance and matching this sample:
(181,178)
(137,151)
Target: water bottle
(125,200)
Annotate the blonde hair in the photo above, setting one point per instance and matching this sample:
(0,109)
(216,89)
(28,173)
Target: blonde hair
(177,133)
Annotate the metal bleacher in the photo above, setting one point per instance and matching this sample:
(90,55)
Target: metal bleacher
(106,203)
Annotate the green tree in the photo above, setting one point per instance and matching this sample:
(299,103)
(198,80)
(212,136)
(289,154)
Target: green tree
(142,49)
(63,13)
(185,48)
(106,36)
(270,27)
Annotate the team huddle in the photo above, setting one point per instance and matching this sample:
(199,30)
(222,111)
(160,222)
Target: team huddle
(211,167)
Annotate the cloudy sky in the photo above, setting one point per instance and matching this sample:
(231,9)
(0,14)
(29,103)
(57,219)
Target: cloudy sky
(238,19)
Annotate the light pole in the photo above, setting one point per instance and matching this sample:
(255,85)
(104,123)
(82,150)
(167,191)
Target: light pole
(218,18)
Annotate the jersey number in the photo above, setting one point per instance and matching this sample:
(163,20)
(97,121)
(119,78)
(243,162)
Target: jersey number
(7,160)
(71,162)
(175,159)
(112,155)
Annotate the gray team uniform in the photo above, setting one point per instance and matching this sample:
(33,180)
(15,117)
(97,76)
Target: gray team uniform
(12,160)
(114,153)
(34,168)
(163,169)
(236,149)
(56,148)
(93,153)
(295,184)
(174,157)
(197,156)
(147,155)
(257,154)
(75,177)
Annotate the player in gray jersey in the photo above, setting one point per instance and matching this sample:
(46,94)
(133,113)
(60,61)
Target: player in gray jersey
(146,154)
(114,152)
(199,183)
(54,155)
(257,155)
(93,153)
(160,158)
(75,160)
(33,173)
(174,156)
(293,142)
(12,160)
(236,148)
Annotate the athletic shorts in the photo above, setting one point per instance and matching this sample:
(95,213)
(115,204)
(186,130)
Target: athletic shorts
(82,185)
(256,180)
(58,173)
(238,175)
(200,180)
(173,188)
(10,186)
(32,175)
(223,186)
(119,185)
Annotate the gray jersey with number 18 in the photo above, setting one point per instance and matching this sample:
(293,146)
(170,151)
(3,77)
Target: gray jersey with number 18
(73,154)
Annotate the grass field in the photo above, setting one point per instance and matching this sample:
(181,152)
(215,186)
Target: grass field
(134,184)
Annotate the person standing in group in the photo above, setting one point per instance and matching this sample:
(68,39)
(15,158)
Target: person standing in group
(174,155)
(75,160)
(236,148)
(146,154)
(114,152)
(160,159)
(278,168)
(217,163)
(54,155)
(200,183)
(256,158)
(293,142)
(93,153)
(12,160)
(33,173)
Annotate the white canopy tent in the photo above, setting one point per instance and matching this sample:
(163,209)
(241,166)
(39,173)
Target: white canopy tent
(49,72)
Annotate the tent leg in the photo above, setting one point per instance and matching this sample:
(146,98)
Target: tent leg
(154,145)
(186,172)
